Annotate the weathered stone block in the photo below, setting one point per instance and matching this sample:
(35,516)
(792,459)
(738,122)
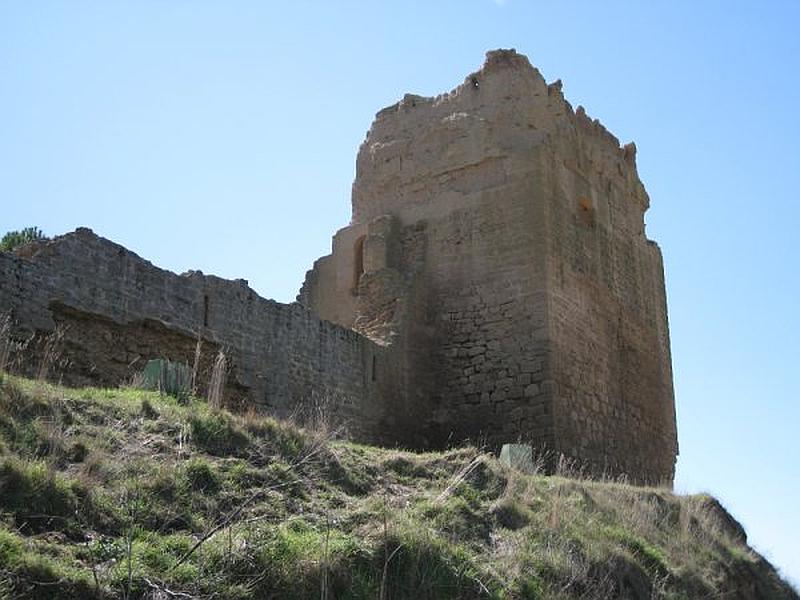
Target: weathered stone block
(531,390)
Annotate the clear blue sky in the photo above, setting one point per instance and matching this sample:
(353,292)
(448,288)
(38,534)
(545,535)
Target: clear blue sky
(222,136)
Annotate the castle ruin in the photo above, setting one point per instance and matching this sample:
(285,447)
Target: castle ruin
(495,284)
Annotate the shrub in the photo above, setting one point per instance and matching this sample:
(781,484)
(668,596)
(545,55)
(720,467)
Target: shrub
(13,239)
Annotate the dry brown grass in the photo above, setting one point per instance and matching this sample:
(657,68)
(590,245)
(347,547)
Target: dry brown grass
(51,352)
(5,341)
(198,352)
(216,387)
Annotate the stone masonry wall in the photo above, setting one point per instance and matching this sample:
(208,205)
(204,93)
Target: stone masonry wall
(119,311)
(523,298)
(457,173)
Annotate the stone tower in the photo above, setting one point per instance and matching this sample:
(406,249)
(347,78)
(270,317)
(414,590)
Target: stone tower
(497,249)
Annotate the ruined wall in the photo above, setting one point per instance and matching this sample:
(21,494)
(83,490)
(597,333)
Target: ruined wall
(522,295)
(118,311)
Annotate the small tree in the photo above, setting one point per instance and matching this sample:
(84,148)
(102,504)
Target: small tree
(12,239)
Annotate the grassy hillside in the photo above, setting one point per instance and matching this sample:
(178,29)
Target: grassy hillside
(128,494)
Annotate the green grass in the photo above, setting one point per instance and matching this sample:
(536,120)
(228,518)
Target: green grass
(115,493)
(216,433)
(39,498)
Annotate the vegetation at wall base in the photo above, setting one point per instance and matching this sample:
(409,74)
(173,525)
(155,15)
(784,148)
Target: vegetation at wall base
(122,493)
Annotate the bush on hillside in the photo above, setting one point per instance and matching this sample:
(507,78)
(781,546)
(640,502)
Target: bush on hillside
(12,239)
